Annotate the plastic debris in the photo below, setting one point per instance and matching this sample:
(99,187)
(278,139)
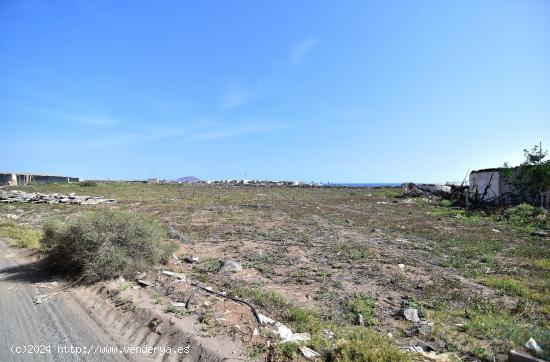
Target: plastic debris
(308,353)
(532,345)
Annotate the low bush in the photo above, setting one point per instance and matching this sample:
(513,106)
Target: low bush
(88,184)
(105,244)
(525,215)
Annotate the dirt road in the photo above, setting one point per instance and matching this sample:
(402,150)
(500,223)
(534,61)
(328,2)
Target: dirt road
(47,331)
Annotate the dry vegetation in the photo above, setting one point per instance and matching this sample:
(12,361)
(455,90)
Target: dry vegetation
(316,257)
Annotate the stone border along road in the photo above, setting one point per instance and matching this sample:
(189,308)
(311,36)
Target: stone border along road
(84,317)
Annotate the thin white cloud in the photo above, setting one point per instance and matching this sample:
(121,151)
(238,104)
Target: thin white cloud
(234,97)
(300,50)
(81,118)
(221,133)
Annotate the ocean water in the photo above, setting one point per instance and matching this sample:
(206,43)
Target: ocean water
(374,184)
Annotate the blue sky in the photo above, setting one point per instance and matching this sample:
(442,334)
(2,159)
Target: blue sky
(372,91)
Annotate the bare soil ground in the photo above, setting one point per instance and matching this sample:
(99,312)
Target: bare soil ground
(315,258)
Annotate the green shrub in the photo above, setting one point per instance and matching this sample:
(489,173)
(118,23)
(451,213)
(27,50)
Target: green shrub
(88,184)
(446,203)
(105,244)
(359,344)
(525,215)
(22,236)
(360,304)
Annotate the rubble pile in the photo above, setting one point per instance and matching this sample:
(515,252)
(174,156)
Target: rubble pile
(55,198)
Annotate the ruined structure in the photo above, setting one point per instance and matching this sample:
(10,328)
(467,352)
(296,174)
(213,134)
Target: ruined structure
(490,185)
(18,179)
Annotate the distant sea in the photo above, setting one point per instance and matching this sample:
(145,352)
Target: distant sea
(362,184)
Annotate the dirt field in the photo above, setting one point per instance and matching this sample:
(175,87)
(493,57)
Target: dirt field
(317,258)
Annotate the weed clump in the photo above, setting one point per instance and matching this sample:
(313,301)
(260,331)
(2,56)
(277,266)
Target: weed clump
(23,237)
(359,344)
(105,244)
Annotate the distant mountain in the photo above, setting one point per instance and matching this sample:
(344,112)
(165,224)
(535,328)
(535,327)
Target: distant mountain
(189,179)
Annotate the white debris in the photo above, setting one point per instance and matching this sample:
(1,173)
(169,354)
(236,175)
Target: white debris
(496,231)
(308,353)
(12,216)
(177,304)
(532,345)
(255,332)
(179,276)
(39,299)
(264,320)
(283,331)
(401,267)
(39,198)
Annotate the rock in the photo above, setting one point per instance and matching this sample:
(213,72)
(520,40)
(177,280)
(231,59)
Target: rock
(425,330)
(517,356)
(540,233)
(308,353)
(411,314)
(230,266)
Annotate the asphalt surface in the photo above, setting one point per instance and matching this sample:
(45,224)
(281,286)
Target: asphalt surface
(47,331)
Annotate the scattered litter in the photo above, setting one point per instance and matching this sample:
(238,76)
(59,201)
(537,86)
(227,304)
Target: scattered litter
(359,320)
(255,332)
(532,345)
(177,304)
(12,216)
(308,353)
(328,333)
(401,267)
(191,259)
(382,202)
(178,276)
(496,230)
(145,283)
(39,299)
